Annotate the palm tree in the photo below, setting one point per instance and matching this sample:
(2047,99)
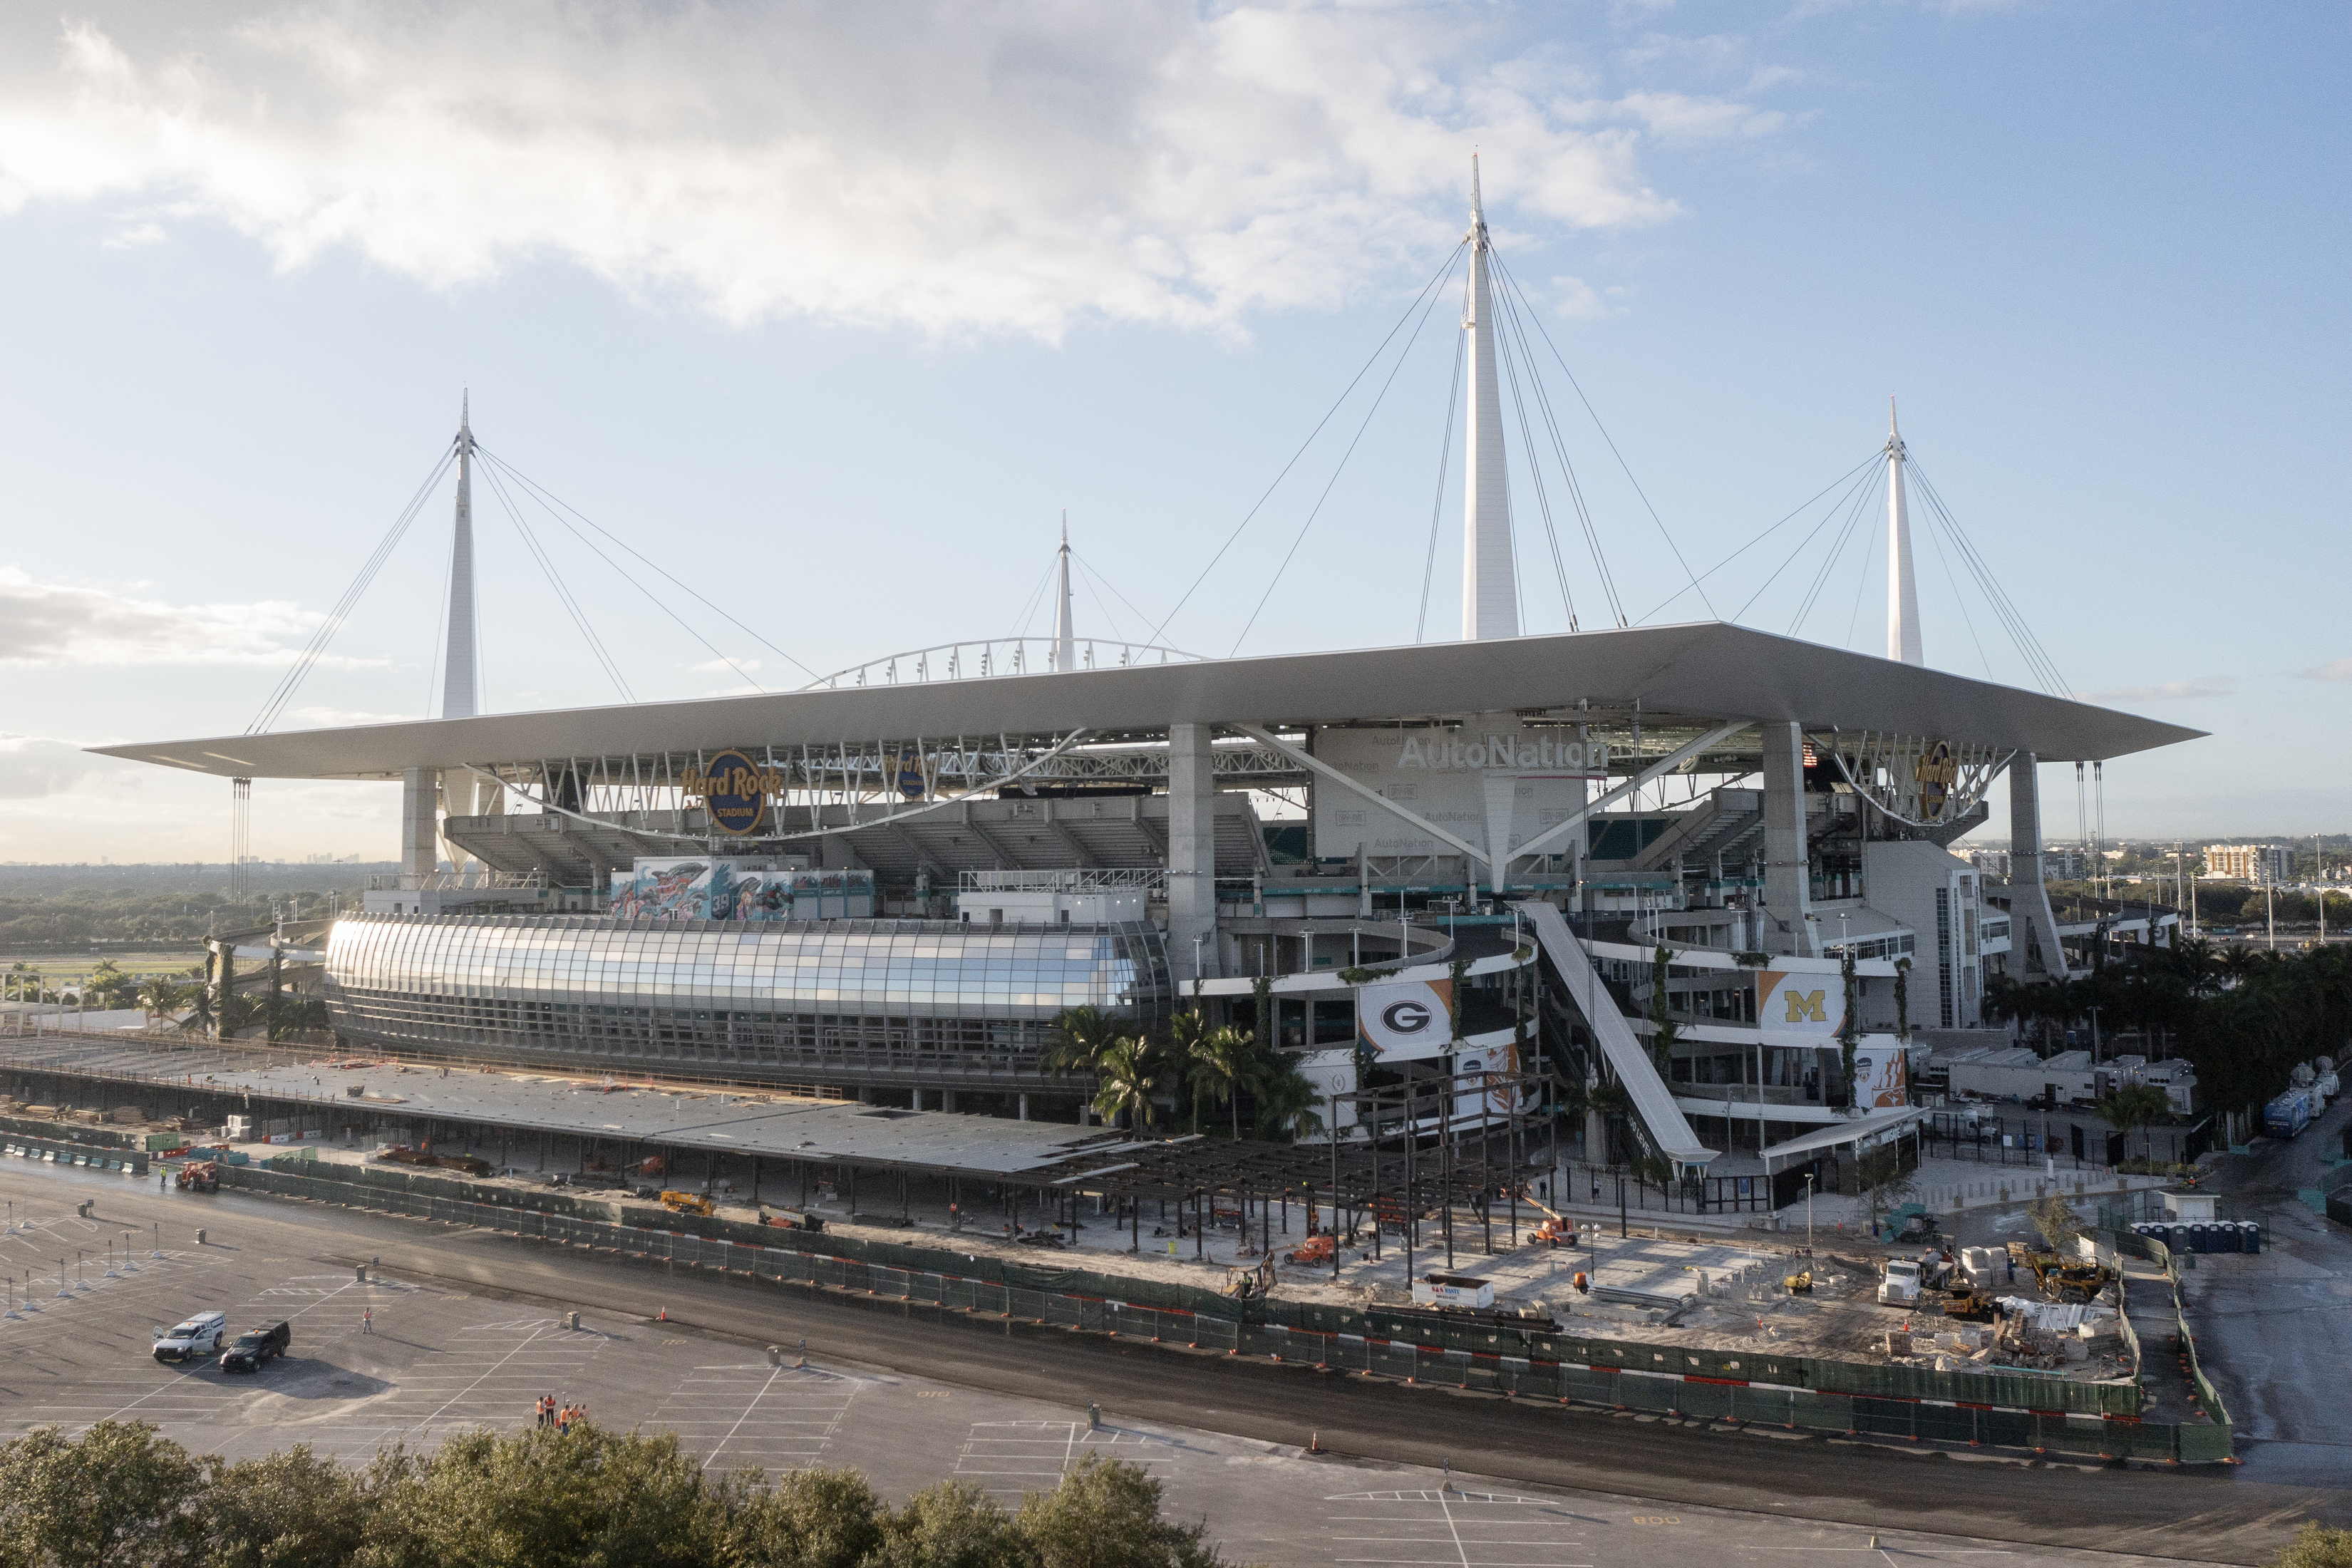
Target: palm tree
(1127,1081)
(1286,1099)
(1185,1031)
(2136,1105)
(1078,1039)
(1227,1063)
(159,995)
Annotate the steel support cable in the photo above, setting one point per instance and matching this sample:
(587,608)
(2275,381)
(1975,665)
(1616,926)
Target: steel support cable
(1804,508)
(1159,632)
(1444,463)
(562,592)
(1935,538)
(556,506)
(1101,603)
(2030,646)
(1511,319)
(543,497)
(279,695)
(1087,566)
(1667,533)
(1543,501)
(1860,476)
(1028,610)
(1863,507)
(1341,467)
(1862,585)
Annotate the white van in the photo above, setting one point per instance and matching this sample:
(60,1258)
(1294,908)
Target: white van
(198,1339)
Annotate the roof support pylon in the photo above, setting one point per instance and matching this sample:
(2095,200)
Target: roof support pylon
(1490,593)
(1902,587)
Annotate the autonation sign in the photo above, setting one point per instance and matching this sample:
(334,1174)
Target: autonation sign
(1450,778)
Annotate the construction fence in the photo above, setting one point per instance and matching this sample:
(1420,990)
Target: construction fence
(1802,1392)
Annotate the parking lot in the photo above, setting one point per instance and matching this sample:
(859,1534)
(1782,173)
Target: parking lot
(410,1359)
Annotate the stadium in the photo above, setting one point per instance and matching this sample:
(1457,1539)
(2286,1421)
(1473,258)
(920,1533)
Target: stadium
(1707,867)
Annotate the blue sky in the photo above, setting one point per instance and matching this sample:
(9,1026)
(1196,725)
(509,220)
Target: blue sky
(836,317)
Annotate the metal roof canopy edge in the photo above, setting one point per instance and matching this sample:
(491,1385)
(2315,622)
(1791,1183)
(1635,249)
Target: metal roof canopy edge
(1700,669)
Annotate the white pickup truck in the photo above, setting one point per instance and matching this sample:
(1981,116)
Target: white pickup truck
(1899,1284)
(198,1339)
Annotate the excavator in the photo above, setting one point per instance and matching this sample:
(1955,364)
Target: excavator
(687,1203)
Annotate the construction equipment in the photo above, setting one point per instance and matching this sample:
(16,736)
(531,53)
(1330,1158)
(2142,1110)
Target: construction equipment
(1558,1229)
(687,1203)
(1313,1249)
(2060,1280)
(1970,1306)
(790,1219)
(198,1176)
(1800,1284)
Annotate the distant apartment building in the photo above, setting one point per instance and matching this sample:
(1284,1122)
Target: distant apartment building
(1992,863)
(2250,862)
(2066,865)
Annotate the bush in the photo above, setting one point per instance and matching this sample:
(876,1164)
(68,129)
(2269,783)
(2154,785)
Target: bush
(2318,1547)
(123,1496)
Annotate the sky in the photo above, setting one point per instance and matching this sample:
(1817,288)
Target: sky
(834,311)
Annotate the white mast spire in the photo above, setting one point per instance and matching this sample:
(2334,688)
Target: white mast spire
(458,687)
(1065,640)
(1902,588)
(1490,598)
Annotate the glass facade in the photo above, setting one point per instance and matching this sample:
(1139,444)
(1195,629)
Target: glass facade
(899,1002)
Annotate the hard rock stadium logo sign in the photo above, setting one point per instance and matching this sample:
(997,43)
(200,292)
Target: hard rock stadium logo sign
(734,790)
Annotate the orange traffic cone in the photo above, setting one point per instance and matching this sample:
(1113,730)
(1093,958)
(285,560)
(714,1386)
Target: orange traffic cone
(665,1316)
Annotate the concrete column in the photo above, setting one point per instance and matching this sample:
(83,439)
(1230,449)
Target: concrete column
(1191,852)
(1788,896)
(947,1100)
(1024,1108)
(2033,928)
(420,821)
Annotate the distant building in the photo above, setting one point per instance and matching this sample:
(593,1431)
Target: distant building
(1994,863)
(2066,865)
(2250,862)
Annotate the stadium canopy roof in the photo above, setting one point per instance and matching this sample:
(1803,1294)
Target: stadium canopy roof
(1705,670)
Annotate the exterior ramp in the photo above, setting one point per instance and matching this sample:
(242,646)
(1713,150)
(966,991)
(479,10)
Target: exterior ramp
(1653,1103)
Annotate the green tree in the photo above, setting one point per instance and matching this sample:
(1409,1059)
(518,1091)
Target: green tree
(1849,1031)
(1078,1038)
(581,1499)
(952,1524)
(1186,1031)
(809,1519)
(119,1494)
(1902,999)
(1286,1099)
(1883,1182)
(2136,1105)
(1106,1514)
(1227,1063)
(292,1508)
(159,996)
(1127,1080)
(1663,1030)
(2055,1220)
(2318,1547)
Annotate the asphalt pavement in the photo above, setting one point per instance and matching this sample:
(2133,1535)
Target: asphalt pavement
(465,1327)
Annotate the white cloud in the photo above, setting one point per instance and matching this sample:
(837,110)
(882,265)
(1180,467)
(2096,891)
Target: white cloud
(1008,167)
(1579,300)
(723,667)
(52,623)
(2166,692)
(2334,669)
(34,767)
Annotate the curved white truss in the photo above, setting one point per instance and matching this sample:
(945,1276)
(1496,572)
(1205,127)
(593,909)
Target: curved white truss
(996,656)
(1898,775)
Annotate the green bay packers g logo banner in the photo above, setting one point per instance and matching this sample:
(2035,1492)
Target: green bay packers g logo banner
(734,790)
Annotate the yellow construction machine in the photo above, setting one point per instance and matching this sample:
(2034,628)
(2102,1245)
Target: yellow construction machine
(687,1203)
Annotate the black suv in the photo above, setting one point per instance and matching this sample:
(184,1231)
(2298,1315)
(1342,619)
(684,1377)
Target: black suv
(252,1348)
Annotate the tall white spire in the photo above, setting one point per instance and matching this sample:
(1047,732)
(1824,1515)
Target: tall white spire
(1902,588)
(1066,637)
(458,687)
(1490,596)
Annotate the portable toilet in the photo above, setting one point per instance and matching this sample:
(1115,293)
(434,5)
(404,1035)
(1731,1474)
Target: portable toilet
(2254,1230)
(2200,1237)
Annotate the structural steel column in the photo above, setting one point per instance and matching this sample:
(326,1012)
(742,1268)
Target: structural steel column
(1787,888)
(420,821)
(2033,927)
(1191,852)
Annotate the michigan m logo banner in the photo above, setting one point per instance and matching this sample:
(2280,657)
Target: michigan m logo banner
(1805,1007)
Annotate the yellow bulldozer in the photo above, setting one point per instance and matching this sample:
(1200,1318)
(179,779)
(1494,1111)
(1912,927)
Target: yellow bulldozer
(687,1203)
